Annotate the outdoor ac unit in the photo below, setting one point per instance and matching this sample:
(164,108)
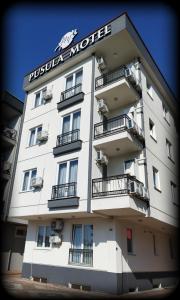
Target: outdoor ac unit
(37,182)
(101,158)
(101,63)
(47,95)
(102,107)
(132,125)
(145,193)
(6,166)
(42,136)
(129,74)
(55,239)
(57,225)
(136,188)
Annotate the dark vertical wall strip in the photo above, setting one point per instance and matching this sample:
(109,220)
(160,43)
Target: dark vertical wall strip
(91,136)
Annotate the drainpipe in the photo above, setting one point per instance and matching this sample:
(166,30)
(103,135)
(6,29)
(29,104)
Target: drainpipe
(89,192)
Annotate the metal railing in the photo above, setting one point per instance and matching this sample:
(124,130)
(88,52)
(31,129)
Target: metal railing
(81,256)
(11,133)
(111,126)
(110,77)
(118,184)
(65,190)
(71,92)
(68,137)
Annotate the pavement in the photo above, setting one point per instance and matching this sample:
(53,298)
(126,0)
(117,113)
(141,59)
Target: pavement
(17,287)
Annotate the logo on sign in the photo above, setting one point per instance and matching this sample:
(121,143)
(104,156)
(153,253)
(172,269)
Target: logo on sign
(66,40)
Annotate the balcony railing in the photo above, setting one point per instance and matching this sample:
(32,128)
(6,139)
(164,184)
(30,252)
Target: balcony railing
(63,191)
(11,133)
(110,77)
(81,256)
(71,92)
(68,137)
(111,126)
(118,184)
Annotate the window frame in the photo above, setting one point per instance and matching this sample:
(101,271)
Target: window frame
(157,185)
(169,149)
(71,114)
(73,74)
(35,136)
(165,113)
(41,101)
(29,188)
(45,226)
(149,89)
(153,130)
(67,162)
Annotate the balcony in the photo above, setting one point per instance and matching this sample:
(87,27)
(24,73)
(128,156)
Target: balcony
(9,136)
(68,142)
(120,195)
(70,97)
(64,195)
(118,135)
(117,88)
(81,257)
(5,169)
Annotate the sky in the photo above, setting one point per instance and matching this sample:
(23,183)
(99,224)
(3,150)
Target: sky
(32,31)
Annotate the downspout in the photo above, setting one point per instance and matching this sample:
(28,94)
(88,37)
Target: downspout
(89,190)
(15,159)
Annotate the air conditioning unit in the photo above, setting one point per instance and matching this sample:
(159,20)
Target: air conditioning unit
(132,125)
(55,239)
(42,136)
(101,158)
(101,63)
(145,193)
(129,74)
(136,188)
(102,107)
(57,225)
(36,182)
(47,95)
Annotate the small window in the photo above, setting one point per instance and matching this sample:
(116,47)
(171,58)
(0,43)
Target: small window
(149,89)
(152,129)
(169,149)
(20,232)
(39,97)
(174,193)
(28,175)
(129,240)
(156,180)
(165,113)
(44,233)
(33,135)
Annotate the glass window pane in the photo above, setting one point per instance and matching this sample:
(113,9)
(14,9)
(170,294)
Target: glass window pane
(78,79)
(37,100)
(47,235)
(40,236)
(33,173)
(73,171)
(69,82)
(62,173)
(77,236)
(32,137)
(25,182)
(76,120)
(66,124)
(88,236)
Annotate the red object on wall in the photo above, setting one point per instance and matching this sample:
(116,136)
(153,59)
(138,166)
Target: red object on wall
(129,233)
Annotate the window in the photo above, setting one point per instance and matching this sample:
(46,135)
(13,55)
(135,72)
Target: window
(33,135)
(156,180)
(67,178)
(71,128)
(171,248)
(73,84)
(28,175)
(165,113)
(82,244)
(129,167)
(44,233)
(149,89)
(169,149)
(129,240)
(20,232)
(39,97)
(154,245)
(174,193)
(152,129)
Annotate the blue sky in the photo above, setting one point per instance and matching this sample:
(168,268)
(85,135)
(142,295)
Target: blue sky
(32,32)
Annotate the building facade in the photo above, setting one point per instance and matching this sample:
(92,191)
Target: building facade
(96,176)
(12,248)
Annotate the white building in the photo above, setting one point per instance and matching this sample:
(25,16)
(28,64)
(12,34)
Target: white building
(96,176)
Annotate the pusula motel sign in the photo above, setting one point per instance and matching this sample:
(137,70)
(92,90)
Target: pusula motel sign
(65,42)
